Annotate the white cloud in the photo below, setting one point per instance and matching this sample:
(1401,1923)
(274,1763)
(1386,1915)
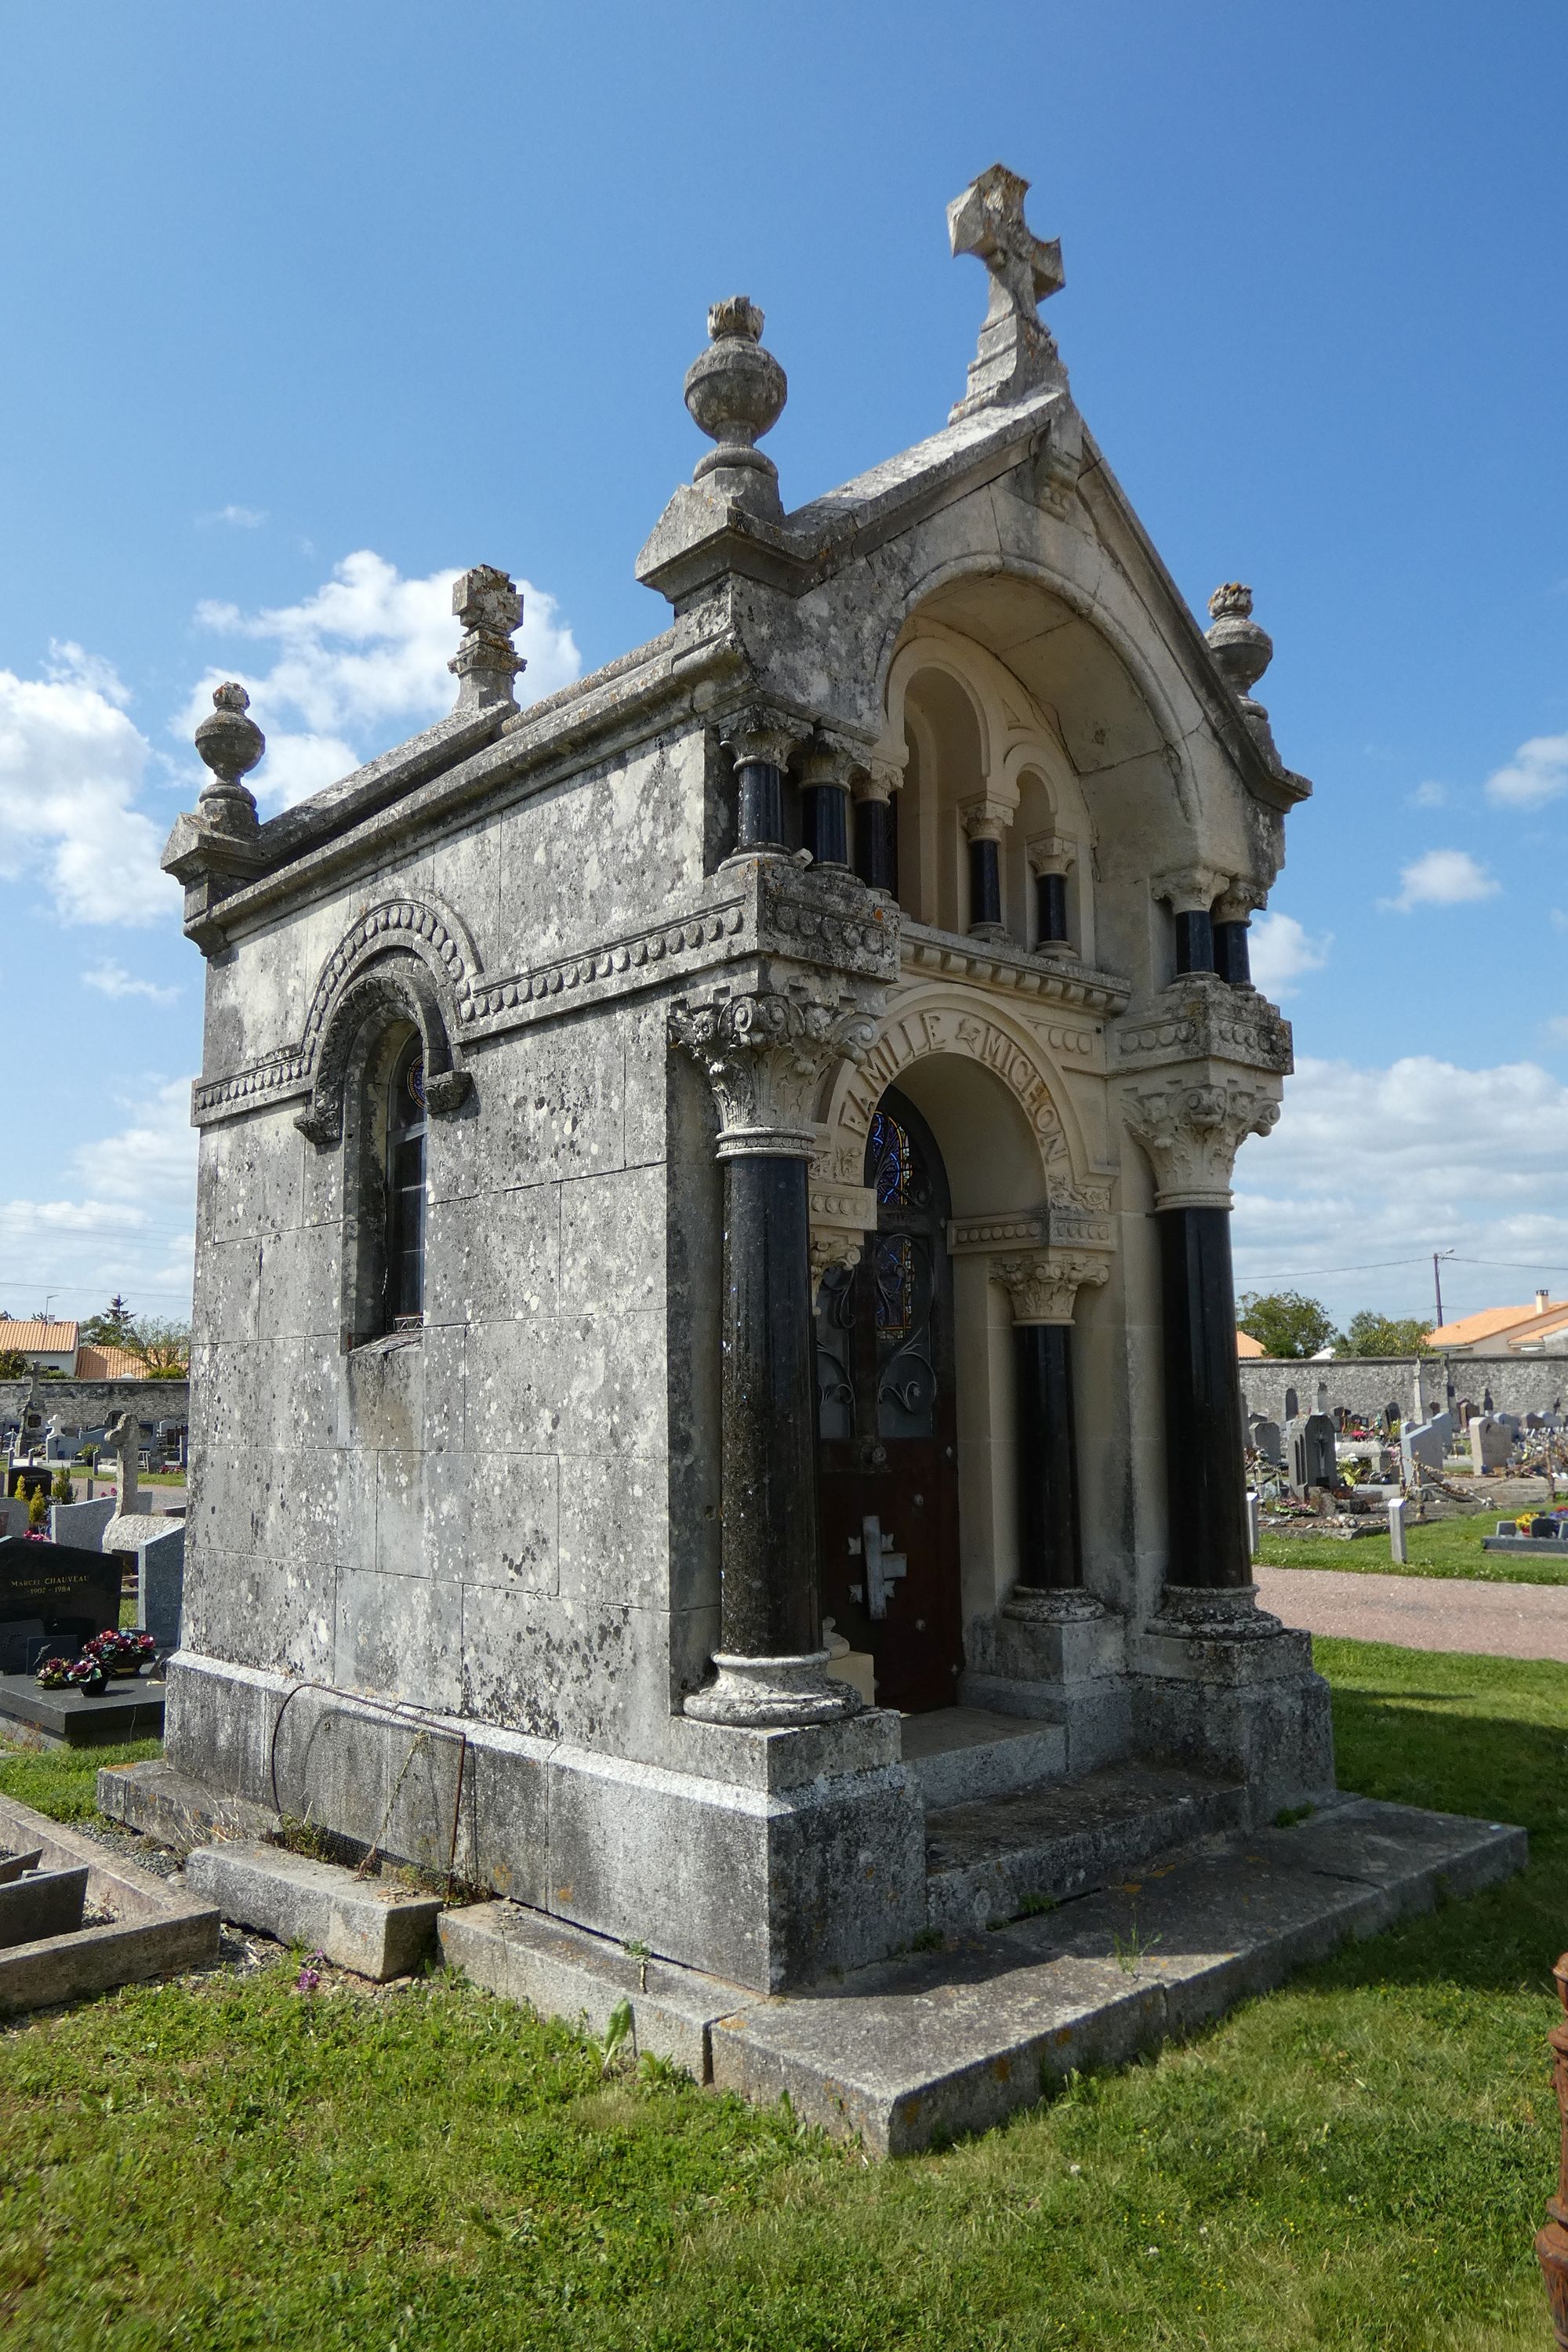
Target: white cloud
(1442,878)
(1429,795)
(360,663)
(1373,1164)
(1281,952)
(237,518)
(129,1226)
(71,665)
(113,980)
(71,766)
(1557,1027)
(1537,773)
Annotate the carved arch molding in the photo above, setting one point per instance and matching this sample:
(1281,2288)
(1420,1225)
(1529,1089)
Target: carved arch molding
(1069,1203)
(408,958)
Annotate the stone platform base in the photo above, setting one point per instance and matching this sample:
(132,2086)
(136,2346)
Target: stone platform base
(131,1709)
(917,2050)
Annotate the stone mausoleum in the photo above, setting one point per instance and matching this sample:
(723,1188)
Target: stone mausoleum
(714,1201)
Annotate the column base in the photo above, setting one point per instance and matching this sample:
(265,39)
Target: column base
(1214,1613)
(774,1694)
(1039,1604)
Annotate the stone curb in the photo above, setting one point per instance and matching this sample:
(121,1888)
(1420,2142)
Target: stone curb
(367,1925)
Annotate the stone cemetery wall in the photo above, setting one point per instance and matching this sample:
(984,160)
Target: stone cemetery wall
(90,1404)
(476,1515)
(1364,1384)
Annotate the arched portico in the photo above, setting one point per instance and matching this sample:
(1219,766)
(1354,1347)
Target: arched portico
(1029,1230)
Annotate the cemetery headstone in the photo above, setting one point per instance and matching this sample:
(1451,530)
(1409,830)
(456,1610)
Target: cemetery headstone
(125,1530)
(160,1585)
(1252,1522)
(1265,1435)
(1292,1405)
(1491,1444)
(82,1523)
(53,1598)
(1309,1452)
(1425,1446)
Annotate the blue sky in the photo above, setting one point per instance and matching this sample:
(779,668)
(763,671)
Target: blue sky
(306,306)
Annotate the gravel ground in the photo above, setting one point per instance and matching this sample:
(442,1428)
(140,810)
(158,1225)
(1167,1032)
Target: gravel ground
(1422,1612)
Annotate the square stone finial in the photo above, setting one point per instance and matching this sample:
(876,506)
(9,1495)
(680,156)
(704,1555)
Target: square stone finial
(1018,354)
(488,603)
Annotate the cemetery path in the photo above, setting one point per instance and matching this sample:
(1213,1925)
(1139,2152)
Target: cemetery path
(1422,1612)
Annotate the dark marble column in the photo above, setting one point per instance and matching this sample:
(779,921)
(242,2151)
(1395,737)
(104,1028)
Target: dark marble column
(1195,941)
(824,804)
(876,830)
(761,742)
(1232,914)
(1203,1437)
(984,822)
(1049,1552)
(1049,859)
(764,1055)
(767,1460)
(1190,895)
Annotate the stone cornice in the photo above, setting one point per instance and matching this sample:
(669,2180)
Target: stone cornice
(996,963)
(761,907)
(1202,1018)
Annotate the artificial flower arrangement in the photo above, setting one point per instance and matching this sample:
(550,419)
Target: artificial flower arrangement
(121,1653)
(84,1673)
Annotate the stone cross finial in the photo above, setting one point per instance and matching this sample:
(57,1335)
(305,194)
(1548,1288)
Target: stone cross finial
(488,603)
(229,744)
(1018,354)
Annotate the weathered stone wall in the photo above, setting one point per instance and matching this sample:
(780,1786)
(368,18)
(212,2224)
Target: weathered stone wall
(89,1404)
(510,1514)
(1364,1384)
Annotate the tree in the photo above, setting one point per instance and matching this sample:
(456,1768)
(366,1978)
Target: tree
(1285,1324)
(13,1367)
(113,1327)
(1371,1334)
(163,1347)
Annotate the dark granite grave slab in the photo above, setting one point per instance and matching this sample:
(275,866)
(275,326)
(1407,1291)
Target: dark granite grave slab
(129,1710)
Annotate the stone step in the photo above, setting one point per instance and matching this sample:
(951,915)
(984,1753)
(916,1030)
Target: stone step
(920,2049)
(987,1861)
(372,1925)
(963,1753)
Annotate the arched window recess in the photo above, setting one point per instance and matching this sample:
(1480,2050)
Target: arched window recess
(400,991)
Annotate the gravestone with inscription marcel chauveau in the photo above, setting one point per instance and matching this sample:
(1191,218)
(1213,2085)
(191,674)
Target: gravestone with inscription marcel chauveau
(53,1598)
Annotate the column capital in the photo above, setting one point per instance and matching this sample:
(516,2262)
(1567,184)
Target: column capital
(1241,899)
(1192,1128)
(765,1053)
(877,777)
(1189,889)
(1044,1283)
(841,1217)
(830,759)
(1050,853)
(986,818)
(763,732)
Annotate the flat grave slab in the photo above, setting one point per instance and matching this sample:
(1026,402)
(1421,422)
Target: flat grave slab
(131,1709)
(143,1926)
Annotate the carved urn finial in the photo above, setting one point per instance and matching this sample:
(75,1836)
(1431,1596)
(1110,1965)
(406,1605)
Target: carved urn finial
(486,601)
(1018,352)
(1242,651)
(229,744)
(736,391)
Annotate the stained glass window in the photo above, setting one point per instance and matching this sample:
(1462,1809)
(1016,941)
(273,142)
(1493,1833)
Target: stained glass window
(890,1161)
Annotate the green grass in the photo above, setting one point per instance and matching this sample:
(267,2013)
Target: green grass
(1436,1547)
(62,1782)
(1358,2160)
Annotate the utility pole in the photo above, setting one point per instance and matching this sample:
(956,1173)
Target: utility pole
(1437,1256)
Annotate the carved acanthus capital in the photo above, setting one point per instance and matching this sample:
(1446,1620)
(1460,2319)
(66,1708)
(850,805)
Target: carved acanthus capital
(880,775)
(1050,853)
(830,759)
(760,733)
(1190,889)
(765,1055)
(986,819)
(1240,900)
(1192,1132)
(1043,1285)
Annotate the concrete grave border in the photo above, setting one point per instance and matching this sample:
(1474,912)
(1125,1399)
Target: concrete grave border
(156,1931)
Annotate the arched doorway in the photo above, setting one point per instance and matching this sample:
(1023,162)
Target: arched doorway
(887,1427)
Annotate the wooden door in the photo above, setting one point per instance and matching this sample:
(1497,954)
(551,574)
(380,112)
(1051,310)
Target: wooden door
(886,1423)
